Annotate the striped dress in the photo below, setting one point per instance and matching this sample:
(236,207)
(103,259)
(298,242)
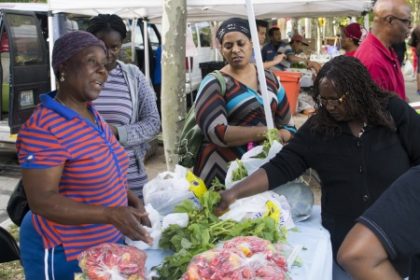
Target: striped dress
(240,106)
(94,172)
(116,107)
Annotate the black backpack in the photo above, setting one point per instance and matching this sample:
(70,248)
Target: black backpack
(17,206)
(9,248)
(191,137)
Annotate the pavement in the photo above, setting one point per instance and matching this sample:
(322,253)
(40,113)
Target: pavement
(154,164)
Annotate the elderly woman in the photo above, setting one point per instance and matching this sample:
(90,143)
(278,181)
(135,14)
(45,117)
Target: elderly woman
(232,119)
(74,169)
(359,141)
(127,101)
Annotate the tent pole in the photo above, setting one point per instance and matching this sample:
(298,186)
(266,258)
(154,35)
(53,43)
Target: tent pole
(133,40)
(146,49)
(50,48)
(260,67)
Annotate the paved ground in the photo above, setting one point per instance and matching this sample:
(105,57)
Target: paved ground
(154,165)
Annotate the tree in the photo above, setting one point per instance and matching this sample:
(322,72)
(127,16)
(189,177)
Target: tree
(173,76)
(415,5)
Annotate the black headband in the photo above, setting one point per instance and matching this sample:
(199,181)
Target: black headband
(233,25)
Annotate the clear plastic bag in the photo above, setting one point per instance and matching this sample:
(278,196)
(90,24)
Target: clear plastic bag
(263,204)
(111,261)
(250,161)
(167,190)
(244,257)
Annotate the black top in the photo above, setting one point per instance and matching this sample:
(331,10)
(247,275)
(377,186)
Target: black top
(353,171)
(394,219)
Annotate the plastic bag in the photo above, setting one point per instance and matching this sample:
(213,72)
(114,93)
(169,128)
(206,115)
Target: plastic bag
(408,69)
(260,205)
(244,257)
(250,162)
(168,189)
(112,261)
(180,219)
(155,231)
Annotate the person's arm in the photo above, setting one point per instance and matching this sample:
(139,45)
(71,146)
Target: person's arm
(273,63)
(147,125)
(362,255)
(407,122)
(44,199)
(292,58)
(287,165)
(211,117)
(256,183)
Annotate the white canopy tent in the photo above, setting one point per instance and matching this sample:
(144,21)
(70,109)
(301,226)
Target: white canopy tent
(199,10)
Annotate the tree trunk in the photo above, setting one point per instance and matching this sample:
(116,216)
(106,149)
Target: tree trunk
(173,103)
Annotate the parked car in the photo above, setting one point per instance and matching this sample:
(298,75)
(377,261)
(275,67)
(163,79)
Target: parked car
(24,60)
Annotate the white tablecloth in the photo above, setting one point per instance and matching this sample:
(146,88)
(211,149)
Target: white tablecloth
(316,256)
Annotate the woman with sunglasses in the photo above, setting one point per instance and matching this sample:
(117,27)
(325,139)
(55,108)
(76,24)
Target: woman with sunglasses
(359,141)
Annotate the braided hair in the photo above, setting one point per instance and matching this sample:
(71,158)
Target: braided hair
(365,101)
(107,23)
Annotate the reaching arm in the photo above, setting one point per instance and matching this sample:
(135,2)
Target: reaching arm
(253,184)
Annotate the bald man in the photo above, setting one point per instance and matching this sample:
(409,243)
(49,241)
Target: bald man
(391,25)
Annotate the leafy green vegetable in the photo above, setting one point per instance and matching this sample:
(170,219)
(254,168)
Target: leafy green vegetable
(216,185)
(271,136)
(240,172)
(204,231)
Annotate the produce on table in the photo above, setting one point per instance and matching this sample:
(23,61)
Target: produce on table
(245,257)
(112,261)
(271,135)
(216,185)
(240,172)
(204,231)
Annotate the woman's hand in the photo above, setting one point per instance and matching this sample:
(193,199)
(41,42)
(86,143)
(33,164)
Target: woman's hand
(227,198)
(135,202)
(127,220)
(285,135)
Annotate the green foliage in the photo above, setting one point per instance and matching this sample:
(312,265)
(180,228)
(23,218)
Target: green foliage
(204,231)
(271,135)
(26,1)
(240,172)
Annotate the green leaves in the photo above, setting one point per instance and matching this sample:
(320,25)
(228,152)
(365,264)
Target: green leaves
(204,231)
(240,172)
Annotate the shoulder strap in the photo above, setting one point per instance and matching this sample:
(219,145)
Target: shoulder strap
(222,82)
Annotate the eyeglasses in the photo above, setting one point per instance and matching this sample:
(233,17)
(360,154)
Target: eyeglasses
(403,20)
(332,101)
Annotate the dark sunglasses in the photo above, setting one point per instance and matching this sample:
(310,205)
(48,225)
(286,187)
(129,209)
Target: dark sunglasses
(403,20)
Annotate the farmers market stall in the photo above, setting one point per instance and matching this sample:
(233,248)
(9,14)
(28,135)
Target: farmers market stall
(316,253)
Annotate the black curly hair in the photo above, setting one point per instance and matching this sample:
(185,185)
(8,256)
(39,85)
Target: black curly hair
(365,101)
(106,23)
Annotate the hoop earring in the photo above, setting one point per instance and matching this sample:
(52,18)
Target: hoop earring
(62,79)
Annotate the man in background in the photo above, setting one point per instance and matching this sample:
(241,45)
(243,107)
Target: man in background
(391,25)
(350,38)
(269,51)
